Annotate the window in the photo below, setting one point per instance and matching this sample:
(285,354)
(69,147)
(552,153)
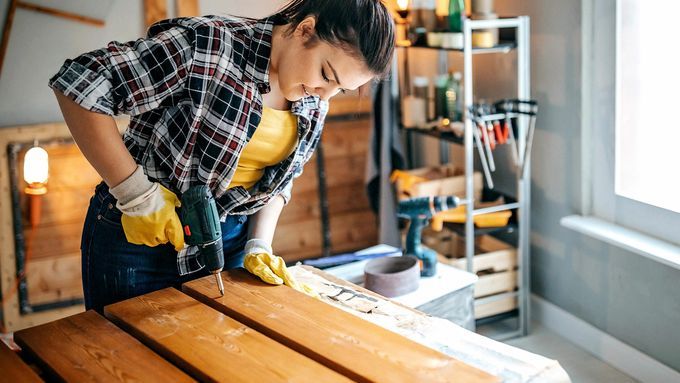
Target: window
(628,167)
(647,82)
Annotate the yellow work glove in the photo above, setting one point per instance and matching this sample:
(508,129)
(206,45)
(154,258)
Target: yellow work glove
(271,269)
(149,216)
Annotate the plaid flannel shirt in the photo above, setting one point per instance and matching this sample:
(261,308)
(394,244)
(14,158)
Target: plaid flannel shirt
(193,90)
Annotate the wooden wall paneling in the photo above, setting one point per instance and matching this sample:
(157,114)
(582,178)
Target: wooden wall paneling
(155,10)
(210,345)
(186,8)
(346,138)
(46,241)
(356,348)
(341,199)
(14,369)
(353,231)
(298,240)
(11,318)
(87,347)
(54,279)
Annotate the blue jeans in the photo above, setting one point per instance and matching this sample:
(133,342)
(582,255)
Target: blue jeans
(114,269)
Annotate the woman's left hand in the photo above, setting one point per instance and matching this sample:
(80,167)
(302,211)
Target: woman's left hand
(271,269)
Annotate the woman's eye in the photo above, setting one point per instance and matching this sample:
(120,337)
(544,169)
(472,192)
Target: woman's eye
(323,74)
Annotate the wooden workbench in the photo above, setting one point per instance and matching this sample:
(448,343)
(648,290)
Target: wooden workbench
(254,333)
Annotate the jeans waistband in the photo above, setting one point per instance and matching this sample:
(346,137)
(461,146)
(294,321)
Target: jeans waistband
(101,191)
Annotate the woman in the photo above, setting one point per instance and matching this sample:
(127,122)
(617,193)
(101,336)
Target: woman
(234,104)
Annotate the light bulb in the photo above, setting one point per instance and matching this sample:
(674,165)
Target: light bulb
(402,4)
(36,170)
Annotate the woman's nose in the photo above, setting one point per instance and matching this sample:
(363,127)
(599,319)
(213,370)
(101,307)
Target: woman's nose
(326,93)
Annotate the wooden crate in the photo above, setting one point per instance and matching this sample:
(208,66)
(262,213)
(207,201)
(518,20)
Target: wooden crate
(495,263)
(441,180)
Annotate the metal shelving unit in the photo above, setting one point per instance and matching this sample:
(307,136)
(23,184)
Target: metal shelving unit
(522,205)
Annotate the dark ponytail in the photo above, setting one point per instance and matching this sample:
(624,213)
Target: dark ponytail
(365,27)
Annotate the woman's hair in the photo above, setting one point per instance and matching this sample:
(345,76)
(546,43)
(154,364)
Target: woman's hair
(364,27)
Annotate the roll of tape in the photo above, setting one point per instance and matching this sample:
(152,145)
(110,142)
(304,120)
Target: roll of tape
(452,40)
(484,39)
(434,39)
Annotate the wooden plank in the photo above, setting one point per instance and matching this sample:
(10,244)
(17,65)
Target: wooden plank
(290,239)
(53,240)
(341,199)
(496,307)
(59,13)
(54,279)
(87,347)
(490,253)
(155,10)
(346,138)
(63,205)
(186,8)
(13,368)
(351,104)
(354,347)
(208,344)
(495,283)
(353,231)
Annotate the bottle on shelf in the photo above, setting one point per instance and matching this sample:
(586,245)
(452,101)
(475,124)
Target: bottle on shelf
(441,83)
(456,15)
(453,37)
(453,97)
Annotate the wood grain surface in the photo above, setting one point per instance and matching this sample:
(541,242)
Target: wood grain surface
(155,10)
(13,369)
(348,344)
(88,348)
(210,345)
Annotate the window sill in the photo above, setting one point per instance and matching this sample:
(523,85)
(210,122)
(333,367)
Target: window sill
(631,240)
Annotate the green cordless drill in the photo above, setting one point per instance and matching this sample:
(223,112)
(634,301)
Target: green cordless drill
(419,210)
(201,225)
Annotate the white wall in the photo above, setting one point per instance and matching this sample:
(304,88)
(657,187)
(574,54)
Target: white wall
(39,44)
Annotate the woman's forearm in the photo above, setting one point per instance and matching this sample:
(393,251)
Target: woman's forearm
(98,138)
(263,223)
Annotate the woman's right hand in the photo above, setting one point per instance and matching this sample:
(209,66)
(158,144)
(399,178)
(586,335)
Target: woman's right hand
(149,215)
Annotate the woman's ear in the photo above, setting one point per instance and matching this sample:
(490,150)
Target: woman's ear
(307,28)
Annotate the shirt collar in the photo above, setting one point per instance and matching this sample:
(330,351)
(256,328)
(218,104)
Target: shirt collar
(259,54)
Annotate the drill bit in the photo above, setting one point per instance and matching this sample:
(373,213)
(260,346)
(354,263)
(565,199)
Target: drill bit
(220,285)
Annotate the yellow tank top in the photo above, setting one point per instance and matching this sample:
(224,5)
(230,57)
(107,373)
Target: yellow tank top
(273,141)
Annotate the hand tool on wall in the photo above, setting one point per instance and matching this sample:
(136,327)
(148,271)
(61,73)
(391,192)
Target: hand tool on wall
(531,108)
(201,225)
(478,141)
(419,210)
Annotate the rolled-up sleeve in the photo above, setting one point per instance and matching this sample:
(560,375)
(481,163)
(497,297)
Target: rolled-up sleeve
(129,78)
(288,189)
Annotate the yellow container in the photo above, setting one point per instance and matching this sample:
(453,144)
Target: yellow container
(458,215)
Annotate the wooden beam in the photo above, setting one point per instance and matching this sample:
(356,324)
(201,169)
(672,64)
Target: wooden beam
(6,30)
(346,343)
(14,369)
(155,10)
(208,344)
(60,13)
(186,8)
(87,347)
